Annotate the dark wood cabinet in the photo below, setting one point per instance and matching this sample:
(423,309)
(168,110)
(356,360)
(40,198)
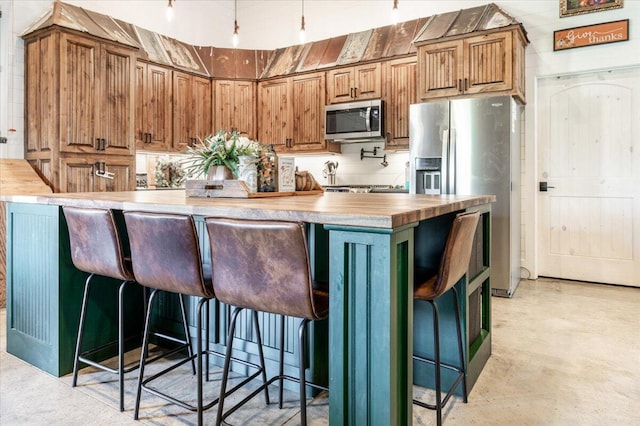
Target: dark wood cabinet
(153,114)
(307,108)
(490,63)
(97,173)
(96,96)
(79,103)
(354,83)
(274,112)
(399,92)
(291,114)
(192,118)
(234,107)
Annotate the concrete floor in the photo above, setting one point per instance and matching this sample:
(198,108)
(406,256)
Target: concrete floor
(564,353)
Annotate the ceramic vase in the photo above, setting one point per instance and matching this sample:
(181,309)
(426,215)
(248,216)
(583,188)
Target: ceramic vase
(219,173)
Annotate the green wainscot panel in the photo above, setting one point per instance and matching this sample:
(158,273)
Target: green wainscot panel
(44,293)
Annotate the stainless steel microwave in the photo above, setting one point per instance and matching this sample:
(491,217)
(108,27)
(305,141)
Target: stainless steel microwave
(354,120)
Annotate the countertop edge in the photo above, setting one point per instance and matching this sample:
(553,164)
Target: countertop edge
(387,211)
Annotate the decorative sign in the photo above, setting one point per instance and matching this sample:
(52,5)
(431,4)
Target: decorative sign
(590,35)
(577,7)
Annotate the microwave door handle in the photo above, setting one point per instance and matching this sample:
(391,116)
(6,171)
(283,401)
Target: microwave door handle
(444,175)
(368,119)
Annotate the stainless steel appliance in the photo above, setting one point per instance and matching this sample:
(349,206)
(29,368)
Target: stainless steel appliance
(354,121)
(471,147)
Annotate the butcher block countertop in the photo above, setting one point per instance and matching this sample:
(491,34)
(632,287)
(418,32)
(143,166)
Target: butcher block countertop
(17,177)
(348,209)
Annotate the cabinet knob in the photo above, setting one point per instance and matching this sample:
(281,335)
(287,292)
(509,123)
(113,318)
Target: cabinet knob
(355,92)
(459,85)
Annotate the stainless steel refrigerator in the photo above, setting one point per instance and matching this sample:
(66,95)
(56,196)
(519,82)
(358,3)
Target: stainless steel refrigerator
(471,147)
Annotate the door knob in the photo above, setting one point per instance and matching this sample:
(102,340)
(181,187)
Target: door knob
(544,186)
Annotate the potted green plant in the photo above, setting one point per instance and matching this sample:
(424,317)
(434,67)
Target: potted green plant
(223,149)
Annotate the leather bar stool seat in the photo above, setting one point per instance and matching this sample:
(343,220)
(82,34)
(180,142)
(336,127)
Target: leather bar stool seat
(453,266)
(97,249)
(166,256)
(264,266)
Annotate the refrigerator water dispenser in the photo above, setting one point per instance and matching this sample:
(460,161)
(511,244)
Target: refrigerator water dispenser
(428,175)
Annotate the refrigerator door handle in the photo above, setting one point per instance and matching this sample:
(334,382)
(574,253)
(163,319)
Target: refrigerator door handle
(444,177)
(452,162)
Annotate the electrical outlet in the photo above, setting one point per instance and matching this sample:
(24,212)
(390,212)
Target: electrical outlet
(3,139)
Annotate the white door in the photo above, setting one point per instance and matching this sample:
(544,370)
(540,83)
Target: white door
(589,156)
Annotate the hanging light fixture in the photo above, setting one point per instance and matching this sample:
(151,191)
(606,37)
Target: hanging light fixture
(170,11)
(234,39)
(302,31)
(394,12)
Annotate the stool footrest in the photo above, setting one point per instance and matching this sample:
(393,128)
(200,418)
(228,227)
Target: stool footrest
(265,385)
(186,360)
(449,393)
(83,357)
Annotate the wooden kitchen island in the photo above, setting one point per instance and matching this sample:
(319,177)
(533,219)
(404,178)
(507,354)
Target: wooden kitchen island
(365,245)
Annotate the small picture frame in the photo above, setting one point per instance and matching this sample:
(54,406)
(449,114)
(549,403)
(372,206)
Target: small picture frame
(578,7)
(286,174)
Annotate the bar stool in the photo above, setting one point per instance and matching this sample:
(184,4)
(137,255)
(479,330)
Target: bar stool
(166,257)
(453,266)
(264,266)
(96,249)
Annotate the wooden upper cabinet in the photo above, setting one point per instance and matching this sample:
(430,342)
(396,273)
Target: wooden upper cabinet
(153,107)
(202,118)
(191,109)
(367,81)
(400,88)
(274,112)
(354,83)
(308,103)
(235,107)
(42,116)
(97,91)
(291,114)
(487,63)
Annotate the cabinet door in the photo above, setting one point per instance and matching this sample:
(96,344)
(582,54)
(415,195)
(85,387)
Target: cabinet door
(201,118)
(367,81)
(182,110)
(41,95)
(115,121)
(488,63)
(274,112)
(78,174)
(141,104)
(400,92)
(340,85)
(244,108)
(78,94)
(441,69)
(123,169)
(153,107)
(223,116)
(308,101)
(235,107)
